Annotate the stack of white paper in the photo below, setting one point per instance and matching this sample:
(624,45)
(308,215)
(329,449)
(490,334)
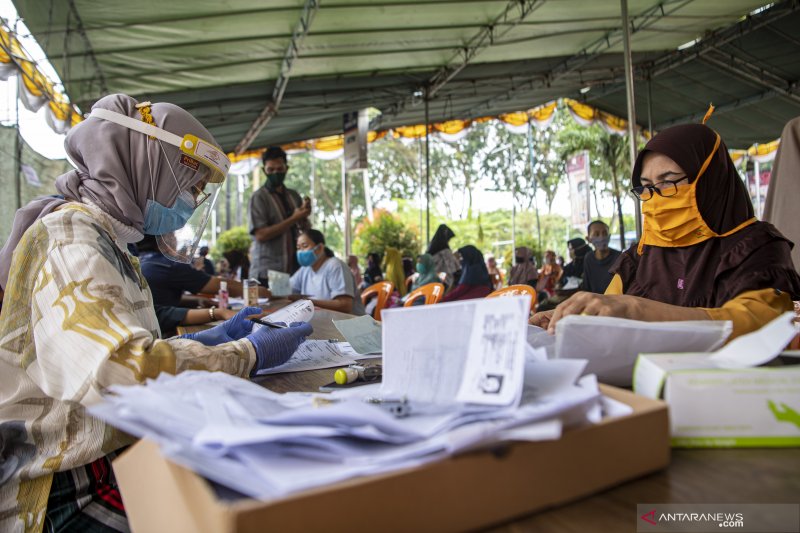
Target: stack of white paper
(611,345)
(465,374)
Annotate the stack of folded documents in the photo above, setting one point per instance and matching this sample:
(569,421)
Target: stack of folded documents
(465,378)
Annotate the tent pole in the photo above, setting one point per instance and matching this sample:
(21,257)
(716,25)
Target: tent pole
(757,176)
(650,106)
(17,155)
(313,183)
(346,207)
(419,183)
(626,44)
(427,173)
(227,204)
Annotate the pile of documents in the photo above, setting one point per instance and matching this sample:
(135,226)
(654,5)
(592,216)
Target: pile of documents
(466,378)
(611,345)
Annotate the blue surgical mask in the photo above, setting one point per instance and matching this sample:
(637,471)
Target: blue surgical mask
(421,268)
(160,220)
(306,257)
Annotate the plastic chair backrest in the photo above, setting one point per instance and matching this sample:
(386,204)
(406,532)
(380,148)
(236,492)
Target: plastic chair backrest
(381,290)
(432,292)
(516,290)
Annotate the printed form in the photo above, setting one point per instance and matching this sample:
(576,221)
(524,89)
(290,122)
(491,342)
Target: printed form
(470,352)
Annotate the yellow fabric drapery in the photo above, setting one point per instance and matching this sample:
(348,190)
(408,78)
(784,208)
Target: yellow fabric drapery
(61,115)
(540,116)
(587,115)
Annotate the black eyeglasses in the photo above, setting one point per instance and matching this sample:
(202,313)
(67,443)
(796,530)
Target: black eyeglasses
(665,188)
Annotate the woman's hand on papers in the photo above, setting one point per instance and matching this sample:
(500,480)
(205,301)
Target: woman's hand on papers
(620,306)
(542,319)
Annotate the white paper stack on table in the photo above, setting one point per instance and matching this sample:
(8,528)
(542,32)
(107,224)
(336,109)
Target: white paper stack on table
(462,372)
(611,345)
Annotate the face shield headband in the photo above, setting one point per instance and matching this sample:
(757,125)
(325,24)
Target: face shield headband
(181,241)
(205,152)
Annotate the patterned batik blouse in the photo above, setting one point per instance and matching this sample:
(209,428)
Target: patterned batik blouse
(77,317)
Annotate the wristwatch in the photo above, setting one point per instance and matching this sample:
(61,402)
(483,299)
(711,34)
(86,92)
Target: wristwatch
(211,314)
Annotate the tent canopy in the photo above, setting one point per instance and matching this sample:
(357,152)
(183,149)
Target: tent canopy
(227,61)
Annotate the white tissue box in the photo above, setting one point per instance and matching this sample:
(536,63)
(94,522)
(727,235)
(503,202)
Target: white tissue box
(724,407)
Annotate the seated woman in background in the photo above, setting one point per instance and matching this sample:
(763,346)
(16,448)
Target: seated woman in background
(352,262)
(169,280)
(524,271)
(324,279)
(703,255)
(426,274)
(373,273)
(475,281)
(426,268)
(393,268)
(494,273)
(443,256)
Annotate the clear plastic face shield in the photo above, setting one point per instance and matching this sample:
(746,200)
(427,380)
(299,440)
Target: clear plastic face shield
(180,228)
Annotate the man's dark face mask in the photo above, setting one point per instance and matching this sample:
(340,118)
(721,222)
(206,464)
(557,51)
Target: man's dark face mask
(275,179)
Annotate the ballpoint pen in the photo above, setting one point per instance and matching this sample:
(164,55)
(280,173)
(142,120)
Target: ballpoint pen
(400,407)
(268,324)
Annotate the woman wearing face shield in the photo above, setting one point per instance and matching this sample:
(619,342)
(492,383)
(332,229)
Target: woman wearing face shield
(702,255)
(78,316)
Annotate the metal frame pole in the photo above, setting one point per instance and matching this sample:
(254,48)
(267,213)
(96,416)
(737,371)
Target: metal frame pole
(650,106)
(626,46)
(757,176)
(346,207)
(427,172)
(17,155)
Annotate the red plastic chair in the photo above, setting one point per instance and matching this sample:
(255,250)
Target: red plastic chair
(382,290)
(516,290)
(433,293)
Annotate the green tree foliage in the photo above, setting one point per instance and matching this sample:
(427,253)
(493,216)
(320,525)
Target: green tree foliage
(509,163)
(609,162)
(234,239)
(384,231)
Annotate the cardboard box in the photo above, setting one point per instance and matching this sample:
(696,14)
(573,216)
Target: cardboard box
(465,492)
(723,408)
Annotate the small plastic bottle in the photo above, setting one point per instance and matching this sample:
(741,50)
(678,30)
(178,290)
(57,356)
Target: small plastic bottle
(250,287)
(222,295)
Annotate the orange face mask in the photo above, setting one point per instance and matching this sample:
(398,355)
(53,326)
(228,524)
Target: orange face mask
(676,221)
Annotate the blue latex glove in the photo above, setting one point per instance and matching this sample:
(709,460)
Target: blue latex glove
(275,346)
(230,330)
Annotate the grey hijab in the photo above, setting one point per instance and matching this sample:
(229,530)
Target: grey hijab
(784,188)
(112,172)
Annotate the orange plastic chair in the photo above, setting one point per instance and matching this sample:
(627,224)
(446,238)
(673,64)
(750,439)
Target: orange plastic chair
(516,290)
(382,290)
(432,292)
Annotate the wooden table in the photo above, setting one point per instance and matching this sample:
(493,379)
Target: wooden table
(694,476)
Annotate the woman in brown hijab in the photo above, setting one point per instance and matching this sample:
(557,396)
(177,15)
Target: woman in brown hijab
(703,255)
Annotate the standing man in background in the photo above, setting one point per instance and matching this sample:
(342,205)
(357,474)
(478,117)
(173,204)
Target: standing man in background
(277,216)
(596,266)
